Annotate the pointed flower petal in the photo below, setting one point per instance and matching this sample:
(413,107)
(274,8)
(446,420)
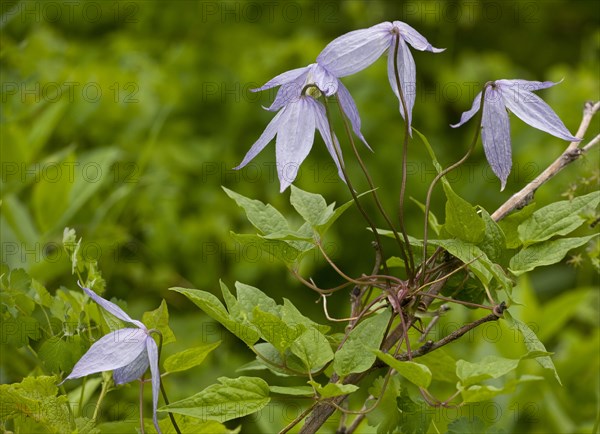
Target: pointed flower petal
(495,135)
(288,92)
(113,351)
(133,370)
(263,140)
(355,50)
(294,140)
(112,308)
(407,75)
(469,113)
(415,39)
(532,110)
(152,350)
(282,78)
(349,107)
(333,147)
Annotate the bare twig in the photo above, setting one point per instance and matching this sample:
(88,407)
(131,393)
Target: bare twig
(572,153)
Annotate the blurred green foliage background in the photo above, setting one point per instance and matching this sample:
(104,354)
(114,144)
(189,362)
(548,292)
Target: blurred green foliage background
(123,119)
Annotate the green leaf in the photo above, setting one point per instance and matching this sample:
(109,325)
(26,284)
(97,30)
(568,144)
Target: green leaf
(293,391)
(312,207)
(250,297)
(313,349)
(331,390)
(433,221)
(489,367)
(265,218)
(484,392)
(189,425)
(414,372)
(60,355)
(478,261)
(35,397)
(385,416)
(232,304)
(545,253)
(494,241)
(441,364)
(94,173)
(50,196)
(356,354)
(232,399)
(159,319)
(282,250)
(282,365)
(510,225)
(274,330)
(189,357)
(558,218)
(467,425)
(292,316)
(215,309)
(532,343)
(416,416)
(462,220)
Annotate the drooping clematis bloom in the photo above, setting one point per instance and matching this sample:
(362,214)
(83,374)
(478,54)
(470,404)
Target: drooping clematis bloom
(293,82)
(516,96)
(127,352)
(358,49)
(294,125)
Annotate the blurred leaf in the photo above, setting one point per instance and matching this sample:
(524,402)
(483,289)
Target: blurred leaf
(356,354)
(159,319)
(416,417)
(50,195)
(433,221)
(467,425)
(489,367)
(532,343)
(441,364)
(484,392)
(35,397)
(558,218)
(385,416)
(60,355)
(414,372)
(545,253)
(189,425)
(232,399)
(189,357)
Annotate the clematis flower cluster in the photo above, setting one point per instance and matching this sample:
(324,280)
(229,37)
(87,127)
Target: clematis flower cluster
(299,112)
(128,352)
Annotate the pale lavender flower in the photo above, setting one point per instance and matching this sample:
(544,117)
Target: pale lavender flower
(293,82)
(128,352)
(294,125)
(516,96)
(358,49)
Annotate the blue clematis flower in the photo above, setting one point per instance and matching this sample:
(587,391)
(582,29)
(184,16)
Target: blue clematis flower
(516,96)
(294,125)
(127,352)
(358,49)
(293,82)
